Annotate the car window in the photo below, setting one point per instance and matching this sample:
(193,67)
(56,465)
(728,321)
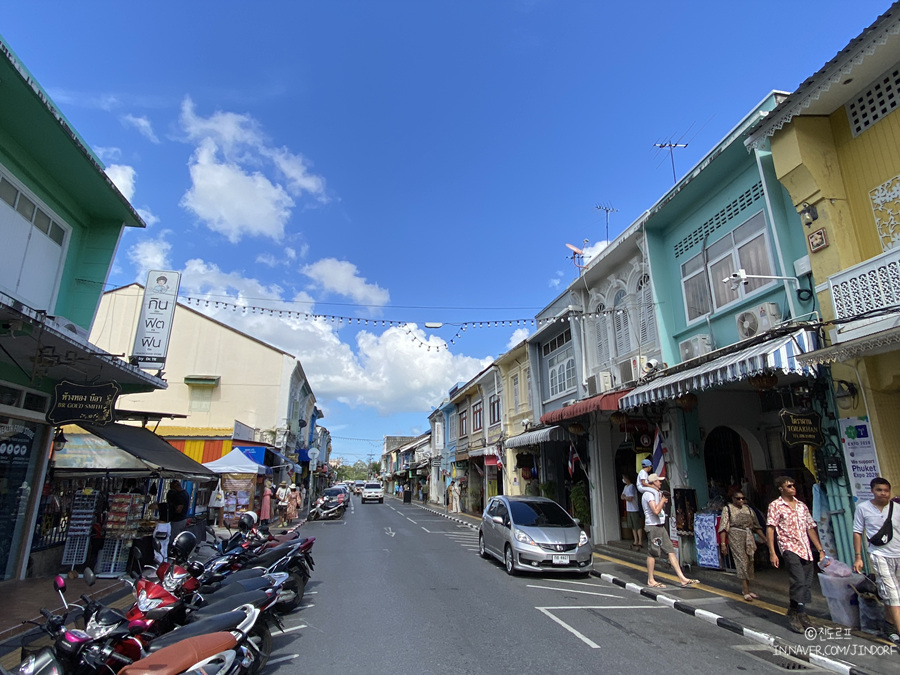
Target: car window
(373,486)
(539,514)
(503,512)
(333,492)
(492,507)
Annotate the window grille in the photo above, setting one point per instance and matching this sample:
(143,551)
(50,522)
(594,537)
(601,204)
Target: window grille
(874,103)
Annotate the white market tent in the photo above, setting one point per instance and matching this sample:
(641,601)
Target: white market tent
(237,462)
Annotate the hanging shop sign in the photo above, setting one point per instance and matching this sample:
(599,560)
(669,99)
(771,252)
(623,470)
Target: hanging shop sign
(802,428)
(151,340)
(859,453)
(90,403)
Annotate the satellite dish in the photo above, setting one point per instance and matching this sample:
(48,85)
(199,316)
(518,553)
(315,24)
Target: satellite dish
(577,250)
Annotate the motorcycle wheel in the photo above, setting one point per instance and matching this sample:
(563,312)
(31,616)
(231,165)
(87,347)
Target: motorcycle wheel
(296,584)
(261,637)
(313,515)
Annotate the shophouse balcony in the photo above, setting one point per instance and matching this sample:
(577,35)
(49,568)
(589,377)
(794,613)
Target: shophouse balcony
(864,289)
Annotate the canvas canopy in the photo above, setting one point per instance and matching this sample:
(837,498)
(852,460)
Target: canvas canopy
(237,462)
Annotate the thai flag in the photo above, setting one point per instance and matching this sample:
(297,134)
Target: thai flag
(659,454)
(573,457)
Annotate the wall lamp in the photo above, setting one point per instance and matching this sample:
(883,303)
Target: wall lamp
(808,214)
(845,394)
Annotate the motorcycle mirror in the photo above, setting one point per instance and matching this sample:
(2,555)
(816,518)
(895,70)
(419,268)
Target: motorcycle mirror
(89,577)
(59,583)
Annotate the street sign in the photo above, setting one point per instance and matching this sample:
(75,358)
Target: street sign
(313,453)
(312,465)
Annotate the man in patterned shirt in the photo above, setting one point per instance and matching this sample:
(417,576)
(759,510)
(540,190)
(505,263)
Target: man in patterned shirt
(790,522)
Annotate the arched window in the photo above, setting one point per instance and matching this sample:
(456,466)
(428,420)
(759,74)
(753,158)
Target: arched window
(622,327)
(601,335)
(646,313)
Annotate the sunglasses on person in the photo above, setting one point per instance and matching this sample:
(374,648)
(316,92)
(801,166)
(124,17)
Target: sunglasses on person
(740,499)
(787,485)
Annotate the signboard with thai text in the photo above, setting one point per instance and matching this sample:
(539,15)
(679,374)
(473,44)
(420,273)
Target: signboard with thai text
(802,428)
(89,403)
(151,340)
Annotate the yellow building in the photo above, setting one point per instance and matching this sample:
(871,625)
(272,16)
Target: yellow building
(835,143)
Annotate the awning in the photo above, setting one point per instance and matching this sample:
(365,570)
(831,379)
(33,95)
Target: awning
(150,449)
(291,464)
(781,354)
(869,345)
(491,460)
(535,437)
(608,401)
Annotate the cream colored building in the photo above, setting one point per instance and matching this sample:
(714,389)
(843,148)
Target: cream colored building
(217,376)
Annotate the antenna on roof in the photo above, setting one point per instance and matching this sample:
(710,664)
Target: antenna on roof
(577,254)
(670,147)
(609,209)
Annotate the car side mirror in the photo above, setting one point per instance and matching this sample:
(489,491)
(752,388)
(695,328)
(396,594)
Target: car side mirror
(497,519)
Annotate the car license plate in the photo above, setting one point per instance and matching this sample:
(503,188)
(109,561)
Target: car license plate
(560,560)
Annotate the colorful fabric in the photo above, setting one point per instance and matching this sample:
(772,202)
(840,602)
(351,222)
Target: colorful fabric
(739,523)
(792,524)
(659,454)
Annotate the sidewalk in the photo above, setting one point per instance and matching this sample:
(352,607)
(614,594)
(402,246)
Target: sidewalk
(718,600)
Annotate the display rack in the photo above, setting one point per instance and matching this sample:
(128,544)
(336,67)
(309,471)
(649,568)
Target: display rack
(81,519)
(122,523)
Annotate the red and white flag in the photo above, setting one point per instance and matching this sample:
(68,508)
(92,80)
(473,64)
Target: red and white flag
(659,454)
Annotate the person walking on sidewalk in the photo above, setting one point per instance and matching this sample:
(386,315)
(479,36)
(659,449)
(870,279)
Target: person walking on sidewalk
(633,513)
(658,542)
(879,521)
(736,529)
(789,522)
(454,497)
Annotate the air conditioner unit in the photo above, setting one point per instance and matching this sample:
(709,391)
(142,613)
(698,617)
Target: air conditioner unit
(599,382)
(571,401)
(626,374)
(694,347)
(757,320)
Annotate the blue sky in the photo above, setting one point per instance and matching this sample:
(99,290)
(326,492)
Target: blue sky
(403,161)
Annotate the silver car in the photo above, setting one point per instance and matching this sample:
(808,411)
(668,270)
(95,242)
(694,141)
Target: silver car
(533,534)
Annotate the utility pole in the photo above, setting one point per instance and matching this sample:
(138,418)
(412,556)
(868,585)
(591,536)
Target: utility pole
(609,209)
(670,147)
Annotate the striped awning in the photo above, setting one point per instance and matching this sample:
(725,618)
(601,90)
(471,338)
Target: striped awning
(535,437)
(780,354)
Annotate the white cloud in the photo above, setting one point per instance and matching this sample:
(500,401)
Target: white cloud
(594,250)
(150,254)
(148,216)
(242,185)
(555,281)
(518,335)
(285,257)
(107,155)
(123,176)
(340,276)
(143,126)
(390,372)
(233,202)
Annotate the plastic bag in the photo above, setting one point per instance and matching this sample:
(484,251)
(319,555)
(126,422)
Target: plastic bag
(835,568)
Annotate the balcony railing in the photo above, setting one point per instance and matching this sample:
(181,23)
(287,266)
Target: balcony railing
(866,287)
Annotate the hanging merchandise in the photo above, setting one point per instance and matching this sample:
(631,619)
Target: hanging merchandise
(122,523)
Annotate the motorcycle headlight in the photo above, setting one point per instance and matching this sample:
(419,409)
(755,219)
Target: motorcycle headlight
(27,666)
(524,538)
(583,538)
(145,604)
(98,630)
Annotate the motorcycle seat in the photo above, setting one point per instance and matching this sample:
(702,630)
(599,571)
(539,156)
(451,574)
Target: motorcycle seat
(255,598)
(179,657)
(236,589)
(210,624)
(250,573)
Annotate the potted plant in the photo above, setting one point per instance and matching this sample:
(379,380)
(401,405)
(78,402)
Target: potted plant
(581,505)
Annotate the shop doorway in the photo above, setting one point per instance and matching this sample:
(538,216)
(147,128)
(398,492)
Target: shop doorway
(626,462)
(724,452)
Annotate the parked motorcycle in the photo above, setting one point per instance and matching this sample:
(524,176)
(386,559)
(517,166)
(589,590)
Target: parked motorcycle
(327,508)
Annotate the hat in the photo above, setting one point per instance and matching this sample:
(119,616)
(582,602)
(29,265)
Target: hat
(284,482)
(652,478)
(646,462)
(293,487)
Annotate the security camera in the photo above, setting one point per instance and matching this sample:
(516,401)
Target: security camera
(651,365)
(526,422)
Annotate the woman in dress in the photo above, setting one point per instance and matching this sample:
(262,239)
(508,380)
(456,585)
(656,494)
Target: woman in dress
(265,507)
(736,529)
(293,503)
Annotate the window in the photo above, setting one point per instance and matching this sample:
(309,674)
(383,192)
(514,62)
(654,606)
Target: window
(646,314)
(746,247)
(439,434)
(515,388)
(454,425)
(563,338)
(200,398)
(463,422)
(621,325)
(494,409)
(477,416)
(601,333)
(562,371)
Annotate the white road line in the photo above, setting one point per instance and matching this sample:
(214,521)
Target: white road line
(281,659)
(292,629)
(653,606)
(306,606)
(412,521)
(572,590)
(311,592)
(582,583)
(389,532)
(428,531)
(472,549)
(583,638)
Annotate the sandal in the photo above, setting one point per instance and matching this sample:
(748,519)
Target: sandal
(753,595)
(656,584)
(748,597)
(690,582)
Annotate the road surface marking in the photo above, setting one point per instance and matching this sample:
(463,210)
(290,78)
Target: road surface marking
(580,636)
(428,531)
(389,532)
(281,659)
(572,590)
(412,521)
(293,629)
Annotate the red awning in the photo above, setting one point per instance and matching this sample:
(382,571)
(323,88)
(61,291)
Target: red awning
(603,402)
(490,460)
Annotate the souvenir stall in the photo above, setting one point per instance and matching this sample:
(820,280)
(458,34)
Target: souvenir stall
(103,494)
(242,481)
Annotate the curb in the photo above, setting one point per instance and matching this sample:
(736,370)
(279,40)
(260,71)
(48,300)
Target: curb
(447,516)
(773,641)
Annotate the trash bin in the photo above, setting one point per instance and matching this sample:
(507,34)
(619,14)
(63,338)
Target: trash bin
(407,496)
(843,602)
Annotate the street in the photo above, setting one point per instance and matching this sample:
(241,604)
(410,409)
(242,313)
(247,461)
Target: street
(400,589)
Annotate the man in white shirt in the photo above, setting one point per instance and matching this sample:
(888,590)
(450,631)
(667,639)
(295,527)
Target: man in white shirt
(646,469)
(658,542)
(885,558)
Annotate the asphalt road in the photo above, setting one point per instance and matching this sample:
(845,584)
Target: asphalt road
(398,589)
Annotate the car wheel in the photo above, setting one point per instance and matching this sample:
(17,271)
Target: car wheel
(381,501)
(508,561)
(481,550)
